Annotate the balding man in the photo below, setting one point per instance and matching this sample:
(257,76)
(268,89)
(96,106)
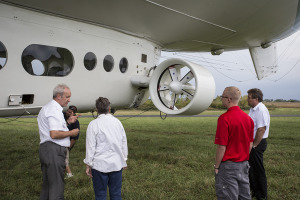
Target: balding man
(261,117)
(55,138)
(234,139)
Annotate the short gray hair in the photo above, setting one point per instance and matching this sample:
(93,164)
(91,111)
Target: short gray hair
(59,90)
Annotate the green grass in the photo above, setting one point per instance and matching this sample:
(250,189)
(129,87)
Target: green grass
(168,159)
(273,111)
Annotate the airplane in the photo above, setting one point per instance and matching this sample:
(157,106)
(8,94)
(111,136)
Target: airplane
(112,49)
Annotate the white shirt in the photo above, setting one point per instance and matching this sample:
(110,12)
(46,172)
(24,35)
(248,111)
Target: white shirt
(51,118)
(106,144)
(261,118)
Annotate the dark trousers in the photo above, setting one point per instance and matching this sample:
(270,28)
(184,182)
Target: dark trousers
(112,179)
(257,175)
(53,165)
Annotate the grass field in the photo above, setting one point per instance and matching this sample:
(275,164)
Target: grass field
(168,159)
(273,111)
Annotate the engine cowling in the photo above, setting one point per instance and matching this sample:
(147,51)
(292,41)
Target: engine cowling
(179,87)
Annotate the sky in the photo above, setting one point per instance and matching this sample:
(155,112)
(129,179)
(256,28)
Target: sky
(236,69)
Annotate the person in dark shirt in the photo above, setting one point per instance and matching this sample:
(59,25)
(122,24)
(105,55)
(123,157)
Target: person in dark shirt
(71,112)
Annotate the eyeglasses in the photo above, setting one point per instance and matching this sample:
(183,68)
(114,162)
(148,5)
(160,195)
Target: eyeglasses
(223,97)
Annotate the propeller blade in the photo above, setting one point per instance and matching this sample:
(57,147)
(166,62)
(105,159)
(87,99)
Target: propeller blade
(173,101)
(163,88)
(188,77)
(188,87)
(173,73)
(188,94)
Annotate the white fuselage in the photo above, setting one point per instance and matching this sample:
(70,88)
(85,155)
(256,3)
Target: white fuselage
(21,28)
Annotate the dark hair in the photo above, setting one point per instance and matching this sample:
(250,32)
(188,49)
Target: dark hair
(73,108)
(102,105)
(256,93)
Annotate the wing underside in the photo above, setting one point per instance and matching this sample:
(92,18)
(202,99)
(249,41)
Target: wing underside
(176,25)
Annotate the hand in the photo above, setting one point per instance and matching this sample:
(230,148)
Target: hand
(216,171)
(124,168)
(88,171)
(72,119)
(74,132)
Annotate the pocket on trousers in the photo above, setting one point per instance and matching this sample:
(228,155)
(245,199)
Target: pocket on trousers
(62,152)
(221,191)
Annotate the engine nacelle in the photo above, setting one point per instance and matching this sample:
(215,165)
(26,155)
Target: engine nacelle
(181,87)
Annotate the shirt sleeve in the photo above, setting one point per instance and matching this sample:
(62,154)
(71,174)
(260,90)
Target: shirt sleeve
(262,119)
(222,132)
(90,145)
(124,144)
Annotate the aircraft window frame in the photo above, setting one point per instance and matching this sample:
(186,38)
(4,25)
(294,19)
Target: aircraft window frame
(123,66)
(90,63)
(108,63)
(44,60)
(3,60)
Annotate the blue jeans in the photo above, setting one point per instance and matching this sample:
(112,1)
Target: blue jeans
(112,179)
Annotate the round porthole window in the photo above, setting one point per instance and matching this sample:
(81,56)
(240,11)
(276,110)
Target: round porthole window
(123,65)
(90,61)
(3,55)
(108,63)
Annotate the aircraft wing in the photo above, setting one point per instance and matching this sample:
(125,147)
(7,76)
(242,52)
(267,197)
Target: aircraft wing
(264,60)
(176,25)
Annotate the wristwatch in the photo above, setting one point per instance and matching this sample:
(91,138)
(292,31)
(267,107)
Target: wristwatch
(216,167)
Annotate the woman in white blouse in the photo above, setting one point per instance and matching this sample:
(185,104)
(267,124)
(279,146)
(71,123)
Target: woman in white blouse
(106,152)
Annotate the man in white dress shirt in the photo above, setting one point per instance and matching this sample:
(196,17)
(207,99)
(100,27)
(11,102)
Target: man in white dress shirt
(261,117)
(55,138)
(106,152)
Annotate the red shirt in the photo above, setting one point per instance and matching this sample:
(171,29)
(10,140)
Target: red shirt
(235,131)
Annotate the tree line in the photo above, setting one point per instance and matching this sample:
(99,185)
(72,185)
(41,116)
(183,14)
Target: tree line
(216,104)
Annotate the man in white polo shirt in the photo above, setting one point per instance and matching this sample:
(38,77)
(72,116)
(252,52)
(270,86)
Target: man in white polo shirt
(261,117)
(55,138)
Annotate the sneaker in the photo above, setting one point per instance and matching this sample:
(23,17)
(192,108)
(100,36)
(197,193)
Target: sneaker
(69,175)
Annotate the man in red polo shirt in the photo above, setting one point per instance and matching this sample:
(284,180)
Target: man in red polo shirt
(234,140)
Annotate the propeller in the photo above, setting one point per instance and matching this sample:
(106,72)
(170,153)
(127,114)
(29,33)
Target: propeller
(181,87)
(174,86)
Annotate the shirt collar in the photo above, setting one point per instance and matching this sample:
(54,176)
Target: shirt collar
(256,107)
(57,105)
(233,108)
(102,115)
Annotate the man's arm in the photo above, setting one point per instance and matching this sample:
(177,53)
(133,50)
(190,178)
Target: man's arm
(63,134)
(219,156)
(259,135)
(251,145)
(72,143)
